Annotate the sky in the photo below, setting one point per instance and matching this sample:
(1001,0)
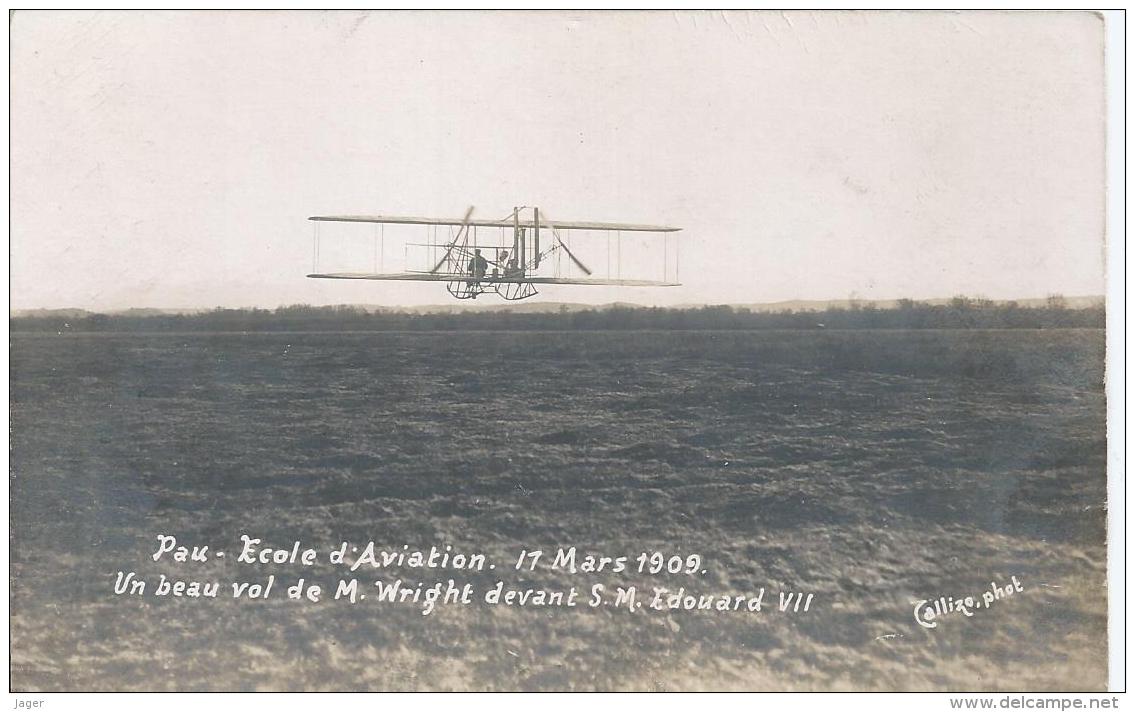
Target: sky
(170,159)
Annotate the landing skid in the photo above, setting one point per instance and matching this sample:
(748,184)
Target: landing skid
(471,289)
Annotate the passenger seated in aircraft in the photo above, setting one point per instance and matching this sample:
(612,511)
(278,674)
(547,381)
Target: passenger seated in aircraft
(513,269)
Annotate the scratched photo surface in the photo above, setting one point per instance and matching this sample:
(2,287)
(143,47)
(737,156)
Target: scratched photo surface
(880,470)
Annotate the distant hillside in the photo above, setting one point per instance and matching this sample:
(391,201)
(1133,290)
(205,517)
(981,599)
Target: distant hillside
(49,313)
(956,313)
(82,313)
(824,305)
(796,305)
(536,307)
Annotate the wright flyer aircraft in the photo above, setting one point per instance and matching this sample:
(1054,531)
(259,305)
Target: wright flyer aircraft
(508,257)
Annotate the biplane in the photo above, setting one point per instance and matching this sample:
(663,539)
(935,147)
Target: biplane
(510,256)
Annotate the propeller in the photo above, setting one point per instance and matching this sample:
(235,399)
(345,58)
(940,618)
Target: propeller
(556,234)
(463,228)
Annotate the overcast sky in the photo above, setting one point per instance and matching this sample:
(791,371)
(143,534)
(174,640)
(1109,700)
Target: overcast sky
(171,159)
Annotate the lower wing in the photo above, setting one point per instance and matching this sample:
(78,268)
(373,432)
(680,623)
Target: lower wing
(429,277)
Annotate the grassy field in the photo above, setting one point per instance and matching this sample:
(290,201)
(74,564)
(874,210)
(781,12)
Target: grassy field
(873,469)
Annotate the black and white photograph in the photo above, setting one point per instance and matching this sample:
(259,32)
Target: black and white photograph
(563,351)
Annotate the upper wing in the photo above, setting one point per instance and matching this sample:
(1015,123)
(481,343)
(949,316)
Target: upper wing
(556,224)
(428,277)
(398,276)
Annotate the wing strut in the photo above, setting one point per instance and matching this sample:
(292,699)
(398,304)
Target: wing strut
(536,235)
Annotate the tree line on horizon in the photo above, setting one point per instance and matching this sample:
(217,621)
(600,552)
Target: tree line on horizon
(959,313)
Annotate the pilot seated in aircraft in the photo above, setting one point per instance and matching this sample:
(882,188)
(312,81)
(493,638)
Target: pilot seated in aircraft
(477,268)
(478,265)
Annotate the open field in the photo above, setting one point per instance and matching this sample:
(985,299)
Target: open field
(870,468)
